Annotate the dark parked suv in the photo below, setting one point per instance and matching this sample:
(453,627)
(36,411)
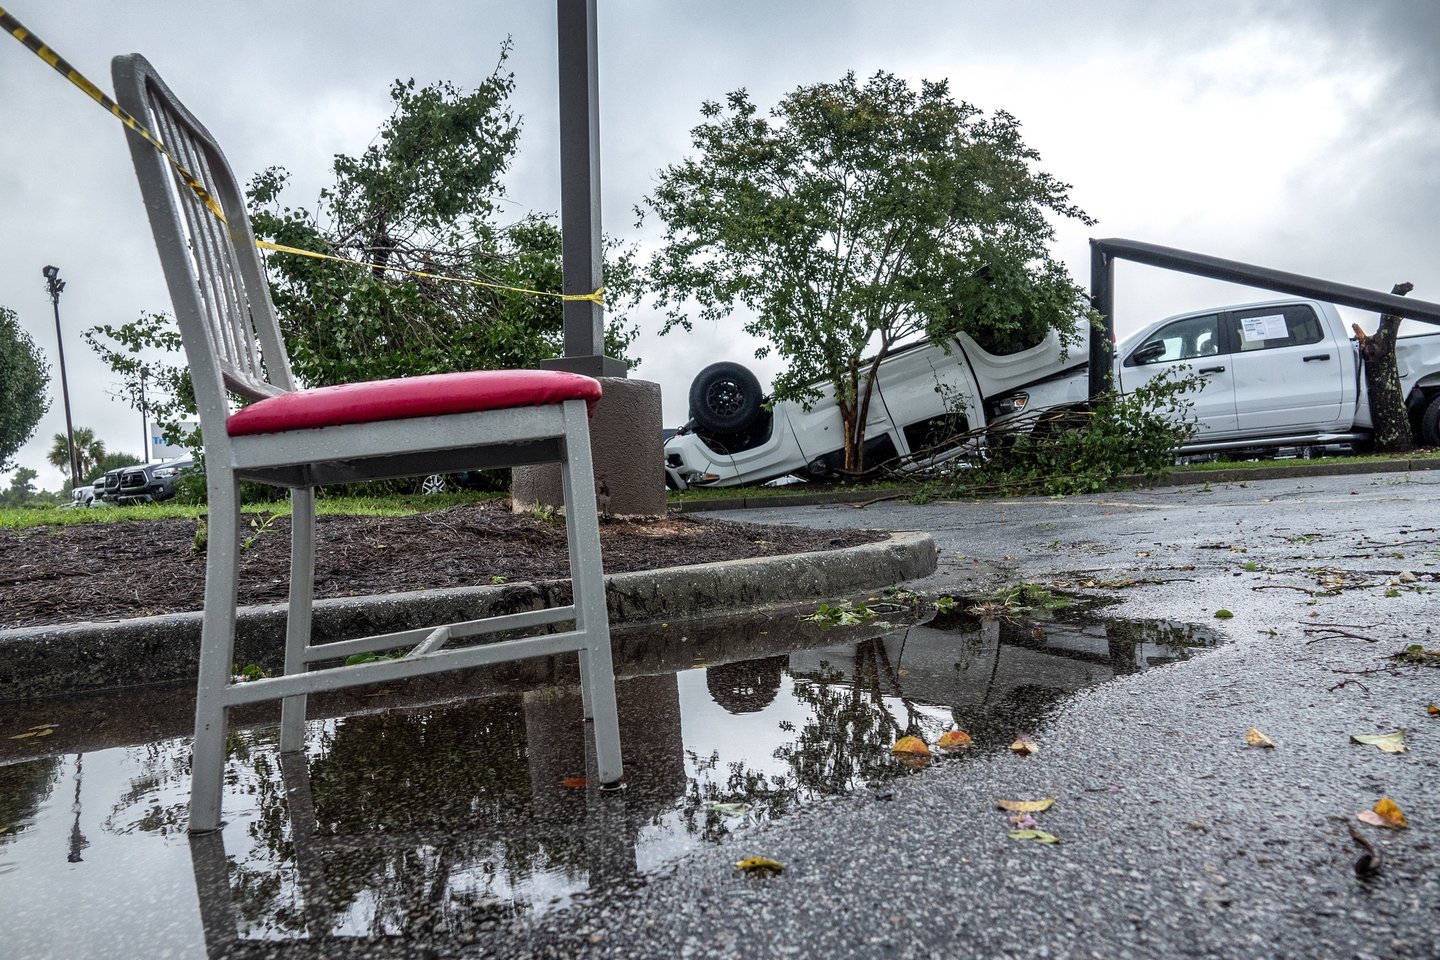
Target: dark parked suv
(151,481)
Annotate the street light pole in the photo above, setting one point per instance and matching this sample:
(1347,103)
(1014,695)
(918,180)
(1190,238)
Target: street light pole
(55,286)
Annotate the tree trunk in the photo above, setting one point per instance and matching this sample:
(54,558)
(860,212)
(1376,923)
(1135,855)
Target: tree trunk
(1382,381)
(855,426)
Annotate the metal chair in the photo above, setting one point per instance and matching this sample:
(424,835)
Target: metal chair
(304,438)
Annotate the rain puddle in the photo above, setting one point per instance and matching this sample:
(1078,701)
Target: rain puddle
(444,818)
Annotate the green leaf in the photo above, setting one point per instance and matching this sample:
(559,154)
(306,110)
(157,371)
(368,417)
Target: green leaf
(1223,614)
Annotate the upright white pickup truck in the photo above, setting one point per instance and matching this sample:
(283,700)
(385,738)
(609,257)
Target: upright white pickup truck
(1279,373)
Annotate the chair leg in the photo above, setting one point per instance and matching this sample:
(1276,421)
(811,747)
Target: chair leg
(297,624)
(582,531)
(217,650)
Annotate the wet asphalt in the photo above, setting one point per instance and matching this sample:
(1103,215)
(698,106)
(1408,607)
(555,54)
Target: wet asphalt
(1177,839)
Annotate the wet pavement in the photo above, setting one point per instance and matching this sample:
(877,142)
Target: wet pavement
(467,830)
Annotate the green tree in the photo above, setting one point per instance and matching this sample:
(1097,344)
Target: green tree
(24,379)
(161,387)
(88,449)
(114,461)
(21,489)
(854,217)
(422,197)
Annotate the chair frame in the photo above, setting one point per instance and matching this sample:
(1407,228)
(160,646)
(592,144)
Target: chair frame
(233,343)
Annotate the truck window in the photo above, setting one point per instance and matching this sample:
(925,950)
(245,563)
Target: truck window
(1186,339)
(1268,328)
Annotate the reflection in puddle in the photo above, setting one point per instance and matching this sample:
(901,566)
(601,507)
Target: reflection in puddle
(446,821)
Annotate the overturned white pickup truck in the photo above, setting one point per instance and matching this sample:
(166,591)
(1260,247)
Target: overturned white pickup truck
(928,399)
(1274,374)
(1279,373)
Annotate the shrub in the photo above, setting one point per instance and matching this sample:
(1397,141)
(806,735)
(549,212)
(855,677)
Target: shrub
(1085,450)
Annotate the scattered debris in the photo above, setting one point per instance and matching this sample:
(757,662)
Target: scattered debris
(954,740)
(1393,742)
(1386,813)
(1257,739)
(1027,806)
(1037,836)
(1416,655)
(910,745)
(1368,863)
(39,730)
(760,866)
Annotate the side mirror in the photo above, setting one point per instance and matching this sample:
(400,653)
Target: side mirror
(1153,350)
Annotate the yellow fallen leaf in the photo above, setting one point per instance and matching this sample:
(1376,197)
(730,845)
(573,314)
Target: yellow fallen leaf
(953,740)
(1257,739)
(910,745)
(1038,836)
(760,865)
(1386,813)
(1433,710)
(1026,806)
(1024,746)
(1393,742)
(22,736)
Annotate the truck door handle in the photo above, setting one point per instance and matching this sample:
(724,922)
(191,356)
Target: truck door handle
(1317,356)
(1211,370)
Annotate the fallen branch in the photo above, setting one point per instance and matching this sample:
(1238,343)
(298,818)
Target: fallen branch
(865,503)
(1281,586)
(1369,862)
(1346,682)
(1334,633)
(1365,673)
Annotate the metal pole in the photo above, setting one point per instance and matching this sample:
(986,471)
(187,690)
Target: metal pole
(581,251)
(55,285)
(144,419)
(1266,278)
(1102,299)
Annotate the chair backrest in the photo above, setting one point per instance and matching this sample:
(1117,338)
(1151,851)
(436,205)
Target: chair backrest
(212,267)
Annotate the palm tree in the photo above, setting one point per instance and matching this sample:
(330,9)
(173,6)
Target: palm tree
(89,449)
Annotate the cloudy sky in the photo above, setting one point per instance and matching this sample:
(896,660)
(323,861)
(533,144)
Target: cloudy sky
(1297,134)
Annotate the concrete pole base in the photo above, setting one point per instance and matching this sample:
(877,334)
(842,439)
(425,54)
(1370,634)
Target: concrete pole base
(626,447)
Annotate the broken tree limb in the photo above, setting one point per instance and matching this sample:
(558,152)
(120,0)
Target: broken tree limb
(1382,381)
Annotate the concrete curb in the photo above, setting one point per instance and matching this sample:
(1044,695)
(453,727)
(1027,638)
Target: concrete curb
(73,658)
(1176,478)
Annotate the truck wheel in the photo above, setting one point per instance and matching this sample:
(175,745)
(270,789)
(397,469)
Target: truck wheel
(724,398)
(1430,423)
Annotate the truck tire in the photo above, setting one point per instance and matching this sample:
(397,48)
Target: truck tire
(1430,423)
(724,398)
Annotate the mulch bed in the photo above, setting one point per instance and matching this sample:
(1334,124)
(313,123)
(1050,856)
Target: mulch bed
(138,568)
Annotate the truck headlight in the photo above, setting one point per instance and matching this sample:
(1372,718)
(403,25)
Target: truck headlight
(1012,404)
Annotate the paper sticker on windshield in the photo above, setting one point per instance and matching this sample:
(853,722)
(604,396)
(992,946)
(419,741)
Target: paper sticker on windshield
(1257,329)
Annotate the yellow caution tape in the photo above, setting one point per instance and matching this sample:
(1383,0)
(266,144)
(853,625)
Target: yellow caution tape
(18,30)
(597,297)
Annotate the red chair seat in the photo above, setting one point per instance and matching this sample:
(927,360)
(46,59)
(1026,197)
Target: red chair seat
(409,397)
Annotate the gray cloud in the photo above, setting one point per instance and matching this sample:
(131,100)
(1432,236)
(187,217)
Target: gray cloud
(1300,134)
